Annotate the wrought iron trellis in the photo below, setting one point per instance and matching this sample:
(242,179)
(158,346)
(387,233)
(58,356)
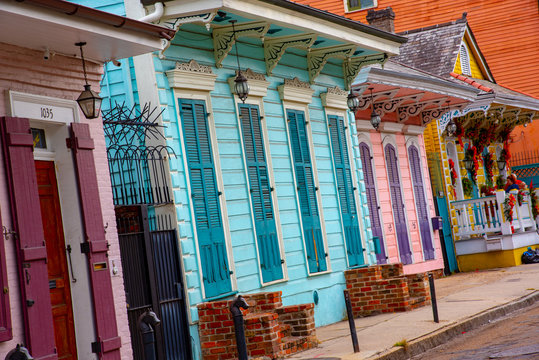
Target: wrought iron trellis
(137,168)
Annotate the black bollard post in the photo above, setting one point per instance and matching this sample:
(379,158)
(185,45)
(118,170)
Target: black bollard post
(433,299)
(19,353)
(237,315)
(351,322)
(146,322)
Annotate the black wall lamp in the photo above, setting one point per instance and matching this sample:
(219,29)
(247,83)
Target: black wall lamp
(352,101)
(375,118)
(88,100)
(241,87)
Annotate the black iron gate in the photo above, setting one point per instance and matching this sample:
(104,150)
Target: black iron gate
(153,279)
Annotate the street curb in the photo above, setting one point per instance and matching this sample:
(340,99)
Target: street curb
(438,337)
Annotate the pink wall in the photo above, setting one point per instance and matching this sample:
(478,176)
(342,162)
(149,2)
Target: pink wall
(385,203)
(24,70)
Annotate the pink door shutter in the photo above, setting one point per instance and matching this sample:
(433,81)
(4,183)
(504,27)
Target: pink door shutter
(27,224)
(108,342)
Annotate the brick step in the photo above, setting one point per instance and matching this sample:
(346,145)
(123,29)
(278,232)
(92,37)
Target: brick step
(419,301)
(293,344)
(285,330)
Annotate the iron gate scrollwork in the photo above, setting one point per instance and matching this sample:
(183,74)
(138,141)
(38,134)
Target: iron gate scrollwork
(150,256)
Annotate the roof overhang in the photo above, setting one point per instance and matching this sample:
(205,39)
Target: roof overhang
(294,16)
(409,97)
(57,25)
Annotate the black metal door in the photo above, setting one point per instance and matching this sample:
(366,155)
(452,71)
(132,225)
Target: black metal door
(153,279)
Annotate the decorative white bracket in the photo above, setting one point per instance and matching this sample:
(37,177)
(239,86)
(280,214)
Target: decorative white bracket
(224,39)
(175,23)
(415,109)
(317,58)
(352,66)
(274,48)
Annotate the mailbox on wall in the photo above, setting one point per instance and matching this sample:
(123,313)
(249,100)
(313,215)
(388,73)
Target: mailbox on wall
(437,222)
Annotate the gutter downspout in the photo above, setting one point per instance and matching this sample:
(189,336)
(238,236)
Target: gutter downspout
(158,12)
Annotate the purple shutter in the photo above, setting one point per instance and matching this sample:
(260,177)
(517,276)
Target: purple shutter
(398,205)
(5,313)
(370,188)
(27,224)
(421,204)
(108,342)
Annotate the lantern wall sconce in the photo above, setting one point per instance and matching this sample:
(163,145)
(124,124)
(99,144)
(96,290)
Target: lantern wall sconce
(241,87)
(352,101)
(468,164)
(88,100)
(501,164)
(375,118)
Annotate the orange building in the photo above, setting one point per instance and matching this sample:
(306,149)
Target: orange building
(507,30)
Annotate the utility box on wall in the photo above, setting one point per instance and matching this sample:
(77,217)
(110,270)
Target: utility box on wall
(437,222)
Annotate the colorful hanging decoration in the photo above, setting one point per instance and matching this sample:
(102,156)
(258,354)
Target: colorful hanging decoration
(534,201)
(467,187)
(508,205)
(488,161)
(471,153)
(452,172)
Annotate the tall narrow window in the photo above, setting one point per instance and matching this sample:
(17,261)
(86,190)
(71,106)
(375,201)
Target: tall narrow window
(370,188)
(398,205)
(205,198)
(310,217)
(260,190)
(421,203)
(343,172)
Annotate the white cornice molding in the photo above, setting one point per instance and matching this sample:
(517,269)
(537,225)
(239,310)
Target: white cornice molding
(390,127)
(191,76)
(258,85)
(335,98)
(413,130)
(296,90)
(364,125)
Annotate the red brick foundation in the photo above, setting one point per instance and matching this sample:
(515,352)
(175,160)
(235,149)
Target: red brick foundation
(384,288)
(271,330)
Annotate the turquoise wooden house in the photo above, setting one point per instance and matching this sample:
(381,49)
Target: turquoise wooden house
(268,192)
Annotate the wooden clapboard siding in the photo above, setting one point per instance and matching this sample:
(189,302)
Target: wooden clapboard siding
(194,42)
(506,31)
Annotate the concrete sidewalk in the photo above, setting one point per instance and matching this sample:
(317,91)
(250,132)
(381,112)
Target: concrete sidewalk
(465,301)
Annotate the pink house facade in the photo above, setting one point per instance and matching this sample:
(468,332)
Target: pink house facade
(60,270)
(394,160)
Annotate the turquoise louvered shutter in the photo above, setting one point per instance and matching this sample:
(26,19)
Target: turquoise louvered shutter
(316,255)
(205,198)
(343,172)
(260,190)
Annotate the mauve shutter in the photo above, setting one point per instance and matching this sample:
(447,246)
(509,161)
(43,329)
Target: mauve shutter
(316,256)
(260,190)
(205,198)
(345,189)
(370,189)
(27,224)
(398,205)
(421,204)
(5,313)
(108,342)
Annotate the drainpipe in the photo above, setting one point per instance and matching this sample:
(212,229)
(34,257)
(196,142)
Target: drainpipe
(157,13)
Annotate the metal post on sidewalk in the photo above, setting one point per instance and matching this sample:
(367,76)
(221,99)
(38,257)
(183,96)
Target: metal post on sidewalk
(146,322)
(237,315)
(351,322)
(433,299)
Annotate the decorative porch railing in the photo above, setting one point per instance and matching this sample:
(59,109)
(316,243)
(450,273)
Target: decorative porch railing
(485,216)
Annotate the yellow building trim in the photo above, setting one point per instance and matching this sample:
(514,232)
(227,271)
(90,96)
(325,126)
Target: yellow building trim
(491,259)
(474,65)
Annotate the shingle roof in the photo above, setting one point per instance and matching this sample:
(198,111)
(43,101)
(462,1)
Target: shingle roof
(433,49)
